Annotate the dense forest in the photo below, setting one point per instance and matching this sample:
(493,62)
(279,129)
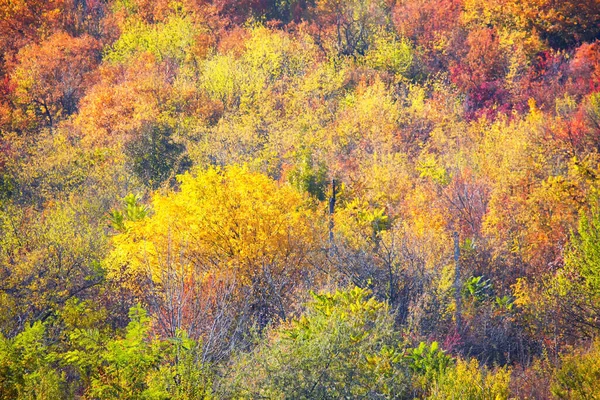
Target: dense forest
(299,199)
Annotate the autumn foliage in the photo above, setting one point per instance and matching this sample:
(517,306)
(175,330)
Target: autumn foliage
(299,199)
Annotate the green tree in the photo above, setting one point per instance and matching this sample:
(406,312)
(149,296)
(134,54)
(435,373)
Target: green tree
(584,253)
(27,367)
(577,377)
(344,346)
(156,157)
(138,365)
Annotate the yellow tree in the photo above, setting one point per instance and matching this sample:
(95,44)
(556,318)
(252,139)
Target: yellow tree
(225,252)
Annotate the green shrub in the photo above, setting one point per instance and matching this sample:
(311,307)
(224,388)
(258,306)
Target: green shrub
(26,367)
(579,375)
(343,347)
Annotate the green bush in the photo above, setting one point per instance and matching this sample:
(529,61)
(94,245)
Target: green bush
(139,366)
(343,347)
(579,375)
(26,367)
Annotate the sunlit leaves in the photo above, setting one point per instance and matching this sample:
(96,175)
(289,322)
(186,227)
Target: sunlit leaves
(26,369)
(47,258)
(390,54)
(342,346)
(51,77)
(171,40)
(225,226)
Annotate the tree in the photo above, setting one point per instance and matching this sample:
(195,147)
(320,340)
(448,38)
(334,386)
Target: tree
(155,157)
(46,258)
(170,40)
(562,23)
(347,28)
(138,365)
(583,255)
(27,369)
(23,22)
(343,346)
(230,248)
(431,26)
(51,77)
(577,377)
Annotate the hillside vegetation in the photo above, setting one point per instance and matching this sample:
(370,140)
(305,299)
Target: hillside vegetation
(299,199)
